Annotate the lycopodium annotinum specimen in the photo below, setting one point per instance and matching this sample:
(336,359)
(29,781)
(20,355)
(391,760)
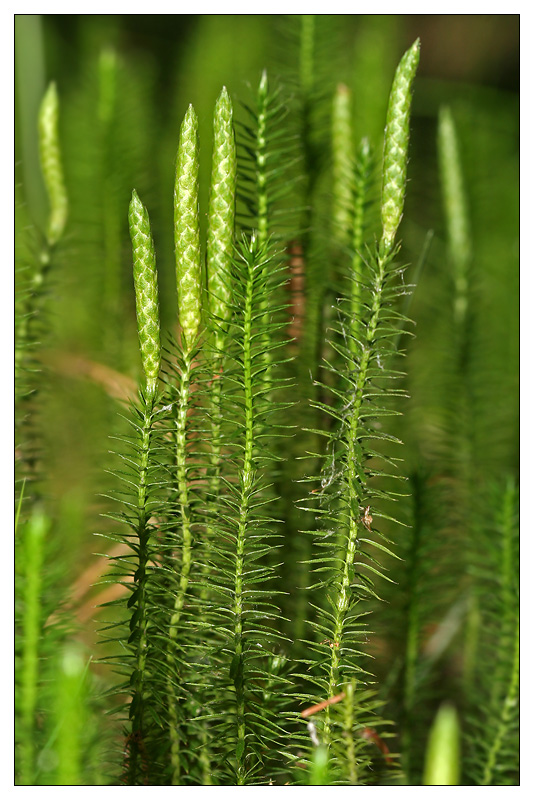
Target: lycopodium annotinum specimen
(144,465)
(218,536)
(189,289)
(346,496)
(249,638)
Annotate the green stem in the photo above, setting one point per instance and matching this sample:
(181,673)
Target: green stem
(185,522)
(356,485)
(246,481)
(34,542)
(507,587)
(214,473)
(139,622)
(30,312)
(348,725)
(214,487)
(508,709)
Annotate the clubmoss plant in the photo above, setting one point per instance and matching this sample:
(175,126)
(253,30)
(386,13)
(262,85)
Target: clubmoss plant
(220,254)
(507,722)
(345,493)
(189,289)
(244,637)
(492,734)
(33,520)
(146,292)
(34,535)
(243,610)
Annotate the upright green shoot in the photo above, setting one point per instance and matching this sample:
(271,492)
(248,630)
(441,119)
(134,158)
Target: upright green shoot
(220,253)
(146,293)
(364,349)
(189,289)
(34,536)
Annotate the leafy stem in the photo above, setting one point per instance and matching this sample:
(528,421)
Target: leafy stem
(356,485)
(361,180)
(246,484)
(139,620)
(186,543)
(508,709)
(35,533)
